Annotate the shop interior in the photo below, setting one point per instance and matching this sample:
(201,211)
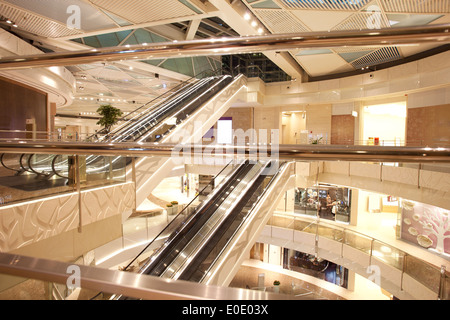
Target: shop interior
(326,201)
(315,266)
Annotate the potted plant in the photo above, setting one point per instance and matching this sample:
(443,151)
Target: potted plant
(169,209)
(110,116)
(276,286)
(316,141)
(174,207)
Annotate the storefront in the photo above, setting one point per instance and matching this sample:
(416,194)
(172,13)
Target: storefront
(328,202)
(317,267)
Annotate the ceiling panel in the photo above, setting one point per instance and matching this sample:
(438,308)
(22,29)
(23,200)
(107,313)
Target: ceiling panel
(415,6)
(324,5)
(379,56)
(319,20)
(90,18)
(35,23)
(323,64)
(278,21)
(140,11)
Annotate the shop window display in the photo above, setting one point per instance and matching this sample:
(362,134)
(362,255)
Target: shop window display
(314,266)
(329,202)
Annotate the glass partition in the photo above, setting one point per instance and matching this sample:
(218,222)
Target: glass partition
(425,273)
(30,176)
(388,254)
(358,241)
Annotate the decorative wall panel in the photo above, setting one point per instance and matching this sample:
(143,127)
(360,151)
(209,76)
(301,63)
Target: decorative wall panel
(33,221)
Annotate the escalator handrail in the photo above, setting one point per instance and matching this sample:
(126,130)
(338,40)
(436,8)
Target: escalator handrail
(217,224)
(180,85)
(243,221)
(183,226)
(138,118)
(33,169)
(159,112)
(5,166)
(179,214)
(199,213)
(185,106)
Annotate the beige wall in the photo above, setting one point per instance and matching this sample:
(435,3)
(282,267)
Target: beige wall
(292,126)
(266,120)
(242,117)
(318,120)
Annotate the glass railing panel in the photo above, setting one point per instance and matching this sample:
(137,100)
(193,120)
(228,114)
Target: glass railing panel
(22,184)
(330,232)
(305,226)
(425,273)
(104,170)
(26,177)
(282,221)
(388,254)
(358,241)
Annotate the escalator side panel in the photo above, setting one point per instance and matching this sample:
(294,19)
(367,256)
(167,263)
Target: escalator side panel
(154,266)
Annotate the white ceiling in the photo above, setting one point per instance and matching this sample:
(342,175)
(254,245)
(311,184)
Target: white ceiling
(281,16)
(46,22)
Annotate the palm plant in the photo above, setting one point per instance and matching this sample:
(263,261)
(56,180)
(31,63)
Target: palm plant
(110,116)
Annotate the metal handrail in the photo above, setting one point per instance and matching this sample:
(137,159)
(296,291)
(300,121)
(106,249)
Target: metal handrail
(252,151)
(237,45)
(126,283)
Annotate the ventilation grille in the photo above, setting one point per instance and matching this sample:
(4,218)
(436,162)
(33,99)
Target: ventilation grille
(140,11)
(415,6)
(36,24)
(356,49)
(362,21)
(280,21)
(379,56)
(325,5)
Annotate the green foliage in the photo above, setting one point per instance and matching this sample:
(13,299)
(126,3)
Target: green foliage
(316,141)
(110,116)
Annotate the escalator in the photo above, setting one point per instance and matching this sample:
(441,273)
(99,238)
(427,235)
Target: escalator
(193,250)
(154,125)
(164,263)
(151,125)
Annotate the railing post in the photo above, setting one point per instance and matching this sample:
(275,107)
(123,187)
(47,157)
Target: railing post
(442,283)
(133,177)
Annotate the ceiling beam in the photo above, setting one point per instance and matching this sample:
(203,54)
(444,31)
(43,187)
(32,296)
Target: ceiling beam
(233,15)
(139,26)
(192,29)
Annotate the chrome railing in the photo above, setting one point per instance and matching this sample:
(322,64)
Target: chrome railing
(237,45)
(121,282)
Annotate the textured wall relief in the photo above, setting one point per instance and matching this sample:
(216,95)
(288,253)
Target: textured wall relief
(21,225)
(426,225)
